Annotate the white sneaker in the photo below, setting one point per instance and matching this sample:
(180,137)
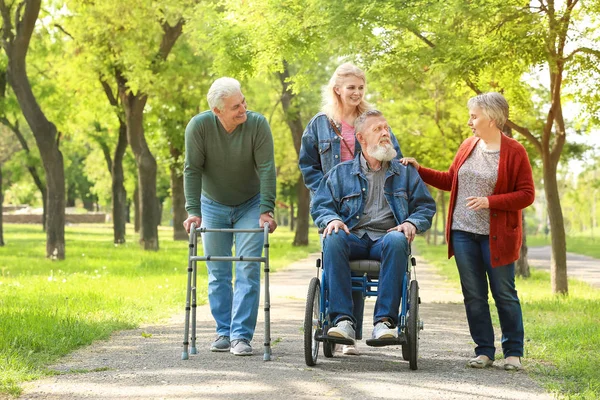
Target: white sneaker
(384,330)
(350,350)
(343,329)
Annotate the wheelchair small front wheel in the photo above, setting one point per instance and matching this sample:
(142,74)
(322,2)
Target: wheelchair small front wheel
(312,322)
(412,326)
(328,349)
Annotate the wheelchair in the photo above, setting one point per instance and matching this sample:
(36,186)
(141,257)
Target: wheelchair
(365,279)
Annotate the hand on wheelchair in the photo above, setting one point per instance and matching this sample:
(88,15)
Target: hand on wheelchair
(409,230)
(335,225)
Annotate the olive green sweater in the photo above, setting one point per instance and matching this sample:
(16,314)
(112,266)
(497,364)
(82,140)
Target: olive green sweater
(229,168)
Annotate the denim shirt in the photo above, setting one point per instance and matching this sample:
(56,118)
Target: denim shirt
(320,150)
(342,195)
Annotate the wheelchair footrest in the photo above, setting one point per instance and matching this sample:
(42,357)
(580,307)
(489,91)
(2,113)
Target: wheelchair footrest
(386,342)
(334,339)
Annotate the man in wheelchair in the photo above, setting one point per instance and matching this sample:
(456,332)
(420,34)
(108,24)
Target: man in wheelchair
(370,207)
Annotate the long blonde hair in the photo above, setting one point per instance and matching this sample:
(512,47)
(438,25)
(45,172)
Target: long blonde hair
(332,104)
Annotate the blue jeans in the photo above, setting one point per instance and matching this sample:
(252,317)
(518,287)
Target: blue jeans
(234,311)
(472,254)
(339,248)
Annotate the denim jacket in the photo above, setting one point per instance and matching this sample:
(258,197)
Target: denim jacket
(321,150)
(342,195)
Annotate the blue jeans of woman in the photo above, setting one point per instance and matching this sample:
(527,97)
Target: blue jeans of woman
(472,254)
(234,308)
(339,248)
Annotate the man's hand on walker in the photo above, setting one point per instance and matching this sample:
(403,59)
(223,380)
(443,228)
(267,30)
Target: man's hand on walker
(268,217)
(188,222)
(335,225)
(409,230)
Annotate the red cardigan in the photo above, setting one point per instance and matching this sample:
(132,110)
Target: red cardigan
(513,192)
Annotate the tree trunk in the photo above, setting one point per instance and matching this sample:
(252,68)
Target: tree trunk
(301,237)
(522,269)
(32,170)
(292,118)
(177,198)
(136,209)
(292,216)
(146,164)
(119,194)
(558,261)
(44,131)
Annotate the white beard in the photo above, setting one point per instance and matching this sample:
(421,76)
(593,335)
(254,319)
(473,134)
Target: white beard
(382,153)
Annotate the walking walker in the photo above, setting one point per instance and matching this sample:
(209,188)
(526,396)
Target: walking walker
(193,259)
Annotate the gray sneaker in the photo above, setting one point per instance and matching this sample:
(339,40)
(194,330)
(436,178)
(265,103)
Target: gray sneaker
(221,343)
(384,330)
(241,347)
(343,329)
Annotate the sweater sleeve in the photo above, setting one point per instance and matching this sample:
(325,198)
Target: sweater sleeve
(265,164)
(193,167)
(523,194)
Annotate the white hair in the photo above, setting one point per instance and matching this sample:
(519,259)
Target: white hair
(493,105)
(221,89)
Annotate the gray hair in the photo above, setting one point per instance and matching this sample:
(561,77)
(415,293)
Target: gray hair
(221,89)
(493,105)
(359,124)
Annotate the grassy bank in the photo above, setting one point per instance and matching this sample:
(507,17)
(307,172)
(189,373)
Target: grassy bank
(581,244)
(562,333)
(48,309)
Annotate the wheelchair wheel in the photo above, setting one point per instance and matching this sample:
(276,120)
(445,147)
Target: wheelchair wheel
(311,322)
(412,325)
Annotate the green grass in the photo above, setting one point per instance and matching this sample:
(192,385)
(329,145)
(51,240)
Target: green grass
(49,308)
(562,333)
(586,245)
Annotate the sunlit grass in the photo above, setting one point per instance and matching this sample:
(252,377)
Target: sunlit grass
(562,333)
(579,244)
(48,308)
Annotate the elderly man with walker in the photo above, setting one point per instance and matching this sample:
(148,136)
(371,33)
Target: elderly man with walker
(229,183)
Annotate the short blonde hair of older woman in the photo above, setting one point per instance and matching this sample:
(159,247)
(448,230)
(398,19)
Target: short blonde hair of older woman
(332,104)
(493,105)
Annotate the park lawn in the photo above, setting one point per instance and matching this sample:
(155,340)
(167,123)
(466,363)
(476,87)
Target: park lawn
(579,244)
(49,308)
(562,333)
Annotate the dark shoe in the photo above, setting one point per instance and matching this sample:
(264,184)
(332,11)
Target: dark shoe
(512,364)
(221,343)
(480,362)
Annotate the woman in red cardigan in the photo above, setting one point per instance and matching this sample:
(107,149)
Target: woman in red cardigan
(490,182)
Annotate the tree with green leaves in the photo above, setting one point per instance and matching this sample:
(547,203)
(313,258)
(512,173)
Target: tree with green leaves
(131,41)
(18,23)
(494,46)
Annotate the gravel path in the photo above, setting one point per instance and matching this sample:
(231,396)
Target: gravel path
(135,366)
